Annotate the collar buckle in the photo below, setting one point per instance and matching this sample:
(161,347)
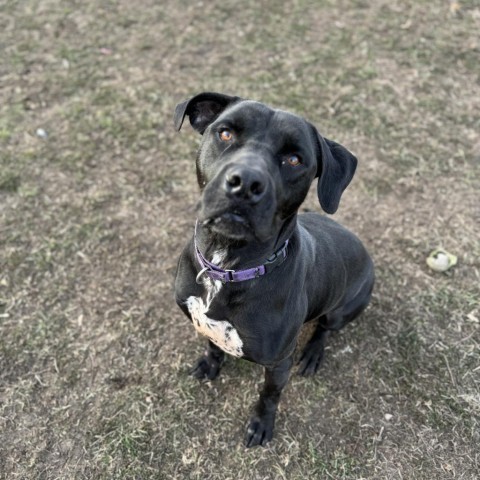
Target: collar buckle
(228,277)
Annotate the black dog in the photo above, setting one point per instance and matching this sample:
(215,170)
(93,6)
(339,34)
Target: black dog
(255,271)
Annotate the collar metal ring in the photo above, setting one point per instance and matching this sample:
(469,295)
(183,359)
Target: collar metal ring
(200,273)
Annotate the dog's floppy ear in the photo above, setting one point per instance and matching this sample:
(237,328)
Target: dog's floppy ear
(336,166)
(202,109)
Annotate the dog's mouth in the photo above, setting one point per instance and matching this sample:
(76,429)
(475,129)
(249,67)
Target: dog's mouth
(235,216)
(231,223)
(236,219)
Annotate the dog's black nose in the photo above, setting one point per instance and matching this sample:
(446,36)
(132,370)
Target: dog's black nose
(245,182)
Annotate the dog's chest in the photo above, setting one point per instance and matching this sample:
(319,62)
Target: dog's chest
(220,332)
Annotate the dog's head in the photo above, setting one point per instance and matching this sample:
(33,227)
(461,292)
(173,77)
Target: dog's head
(256,164)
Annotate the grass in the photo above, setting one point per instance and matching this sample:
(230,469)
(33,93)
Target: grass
(94,354)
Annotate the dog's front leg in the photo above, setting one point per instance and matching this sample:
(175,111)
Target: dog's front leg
(260,427)
(209,365)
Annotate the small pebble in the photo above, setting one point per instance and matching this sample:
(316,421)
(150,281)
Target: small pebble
(41,133)
(388,417)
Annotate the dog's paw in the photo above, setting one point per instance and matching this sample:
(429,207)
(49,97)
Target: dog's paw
(310,360)
(259,432)
(206,368)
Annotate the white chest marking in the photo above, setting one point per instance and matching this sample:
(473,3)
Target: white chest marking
(220,332)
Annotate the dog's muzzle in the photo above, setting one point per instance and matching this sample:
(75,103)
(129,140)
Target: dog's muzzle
(239,202)
(244,183)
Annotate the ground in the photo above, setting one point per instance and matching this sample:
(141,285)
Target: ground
(98,195)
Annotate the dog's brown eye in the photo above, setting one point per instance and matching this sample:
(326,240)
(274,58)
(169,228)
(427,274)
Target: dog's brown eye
(226,135)
(294,160)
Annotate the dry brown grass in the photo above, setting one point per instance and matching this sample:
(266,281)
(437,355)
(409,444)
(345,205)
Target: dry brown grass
(94,354)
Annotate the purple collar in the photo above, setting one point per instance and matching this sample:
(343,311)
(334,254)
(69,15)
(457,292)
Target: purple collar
(227,276)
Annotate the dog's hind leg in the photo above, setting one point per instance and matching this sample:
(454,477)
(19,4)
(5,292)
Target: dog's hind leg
(210,364)
(313,352)
(337,319)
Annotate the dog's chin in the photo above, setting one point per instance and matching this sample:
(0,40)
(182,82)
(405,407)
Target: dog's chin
(230,225)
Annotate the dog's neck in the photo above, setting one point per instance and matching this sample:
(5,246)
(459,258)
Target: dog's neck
(231,254)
